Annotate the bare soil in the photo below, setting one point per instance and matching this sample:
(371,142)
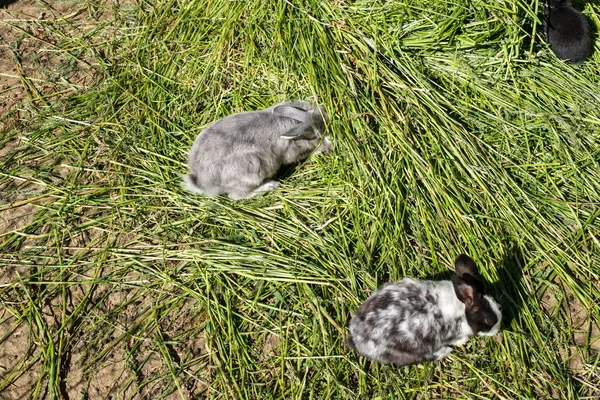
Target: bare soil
(29,65)
(29,69)
(584,335)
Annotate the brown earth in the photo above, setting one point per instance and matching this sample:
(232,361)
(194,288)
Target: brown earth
(584,335)
(29,65)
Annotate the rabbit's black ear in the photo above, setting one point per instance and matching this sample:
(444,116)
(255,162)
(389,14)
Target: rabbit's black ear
(300,131)
(294,113)
(464,265)
(466,269)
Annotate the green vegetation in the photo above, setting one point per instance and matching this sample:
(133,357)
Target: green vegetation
(455,130)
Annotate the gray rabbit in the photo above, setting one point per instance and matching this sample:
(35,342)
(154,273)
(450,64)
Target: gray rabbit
(240,154)
(414,321)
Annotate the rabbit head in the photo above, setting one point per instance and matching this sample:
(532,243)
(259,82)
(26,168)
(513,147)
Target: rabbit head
(310,123)
(482,312)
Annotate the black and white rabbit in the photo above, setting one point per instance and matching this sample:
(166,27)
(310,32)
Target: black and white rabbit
(567,31)
(414,321)
(240,154)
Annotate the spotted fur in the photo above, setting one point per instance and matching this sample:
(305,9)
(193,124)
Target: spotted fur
(414,321)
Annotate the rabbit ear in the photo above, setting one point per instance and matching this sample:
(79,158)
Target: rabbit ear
(291,112)
(300,131)
(465,292)
(464,265)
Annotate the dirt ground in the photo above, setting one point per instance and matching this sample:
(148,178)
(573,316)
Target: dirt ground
(29,66)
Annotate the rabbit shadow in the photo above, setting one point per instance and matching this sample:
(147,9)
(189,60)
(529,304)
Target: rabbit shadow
(509,290)
(286,171)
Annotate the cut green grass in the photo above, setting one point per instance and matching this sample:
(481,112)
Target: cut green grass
(455,129)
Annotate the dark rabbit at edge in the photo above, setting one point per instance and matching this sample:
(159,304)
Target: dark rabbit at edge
(567,31)
(414,321)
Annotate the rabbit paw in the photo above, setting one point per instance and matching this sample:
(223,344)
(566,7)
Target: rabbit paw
(460,341)
(325,146)
(265,187)
(442,353)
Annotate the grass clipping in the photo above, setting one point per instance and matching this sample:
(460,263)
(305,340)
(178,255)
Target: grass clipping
(455,129)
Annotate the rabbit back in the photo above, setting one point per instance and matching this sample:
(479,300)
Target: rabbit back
(568,33)
(236,154)
(409,322)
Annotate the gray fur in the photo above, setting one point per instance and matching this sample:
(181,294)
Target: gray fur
(240,154)
(414,321)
